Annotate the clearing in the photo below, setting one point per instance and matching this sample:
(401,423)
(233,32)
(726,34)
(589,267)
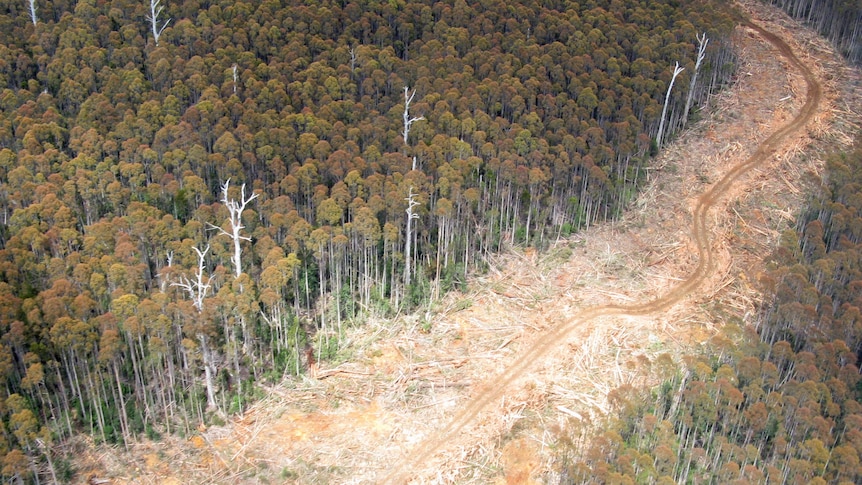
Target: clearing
(475,389)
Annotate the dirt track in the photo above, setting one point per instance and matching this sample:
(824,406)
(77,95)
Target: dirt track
(474,389)
(471,411)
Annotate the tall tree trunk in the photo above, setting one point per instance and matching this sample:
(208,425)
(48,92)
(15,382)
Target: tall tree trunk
(702,41)
(124,423)
(676,71)
(209,371)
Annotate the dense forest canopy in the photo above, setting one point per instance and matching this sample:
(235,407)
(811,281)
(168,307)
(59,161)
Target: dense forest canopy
(193,196)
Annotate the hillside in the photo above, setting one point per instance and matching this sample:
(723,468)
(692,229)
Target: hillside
(203,200)
(280,241)
(422,395)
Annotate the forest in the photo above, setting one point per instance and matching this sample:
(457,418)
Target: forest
(776,403)
(839,21)
(199,196)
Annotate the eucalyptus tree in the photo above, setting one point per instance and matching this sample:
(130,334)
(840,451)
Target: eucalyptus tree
(32,7)
(702,42)
(235,209)
(676,72)
(197,289)
(153,17)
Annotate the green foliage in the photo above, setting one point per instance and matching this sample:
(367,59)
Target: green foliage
(64,469)
(114,151)
(837,21)
(780,405)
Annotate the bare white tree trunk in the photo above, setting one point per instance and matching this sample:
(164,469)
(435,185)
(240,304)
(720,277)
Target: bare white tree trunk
(155,11)
(32,5)
(209,371)
(235,209)
(197,290)
(411,203)
(702,41)
(408,121)
(46,450)
(676,71)
(234,78)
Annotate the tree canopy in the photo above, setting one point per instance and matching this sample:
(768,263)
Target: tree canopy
(779,403)
(127,303)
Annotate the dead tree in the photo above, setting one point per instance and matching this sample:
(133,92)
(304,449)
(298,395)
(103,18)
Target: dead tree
(676,71)
(153,17)
(702,41)
(197,290)
(408,121)
(32,5)
(411,203)
(235,209)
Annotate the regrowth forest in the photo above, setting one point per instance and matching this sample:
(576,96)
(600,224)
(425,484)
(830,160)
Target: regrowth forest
(198,196)
(779,403)
(839,21)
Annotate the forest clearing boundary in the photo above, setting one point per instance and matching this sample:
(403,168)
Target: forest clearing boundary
(496,387)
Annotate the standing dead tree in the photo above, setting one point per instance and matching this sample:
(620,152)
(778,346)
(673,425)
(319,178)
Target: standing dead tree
(235,209)
(233,69)
(197,290)
(153,17)
(676,71)
(702,41)
(32,5)
(408,121)
(411,203)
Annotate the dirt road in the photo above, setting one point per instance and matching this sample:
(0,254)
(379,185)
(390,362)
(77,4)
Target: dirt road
(471,391)
(700,233)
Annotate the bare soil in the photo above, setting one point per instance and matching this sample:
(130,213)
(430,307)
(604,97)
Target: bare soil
(476,389)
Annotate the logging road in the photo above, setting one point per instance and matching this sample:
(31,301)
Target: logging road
(690,286)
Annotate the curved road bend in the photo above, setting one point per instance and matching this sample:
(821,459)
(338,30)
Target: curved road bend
(706,265)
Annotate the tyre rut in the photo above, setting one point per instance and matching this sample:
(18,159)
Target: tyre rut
(492,391)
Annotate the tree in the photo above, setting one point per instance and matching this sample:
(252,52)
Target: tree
(153,17)
(235,209)
(235,77)
(408,121)
(197,290)
(702,41)
(676,71)
(32,5)
(411,203)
